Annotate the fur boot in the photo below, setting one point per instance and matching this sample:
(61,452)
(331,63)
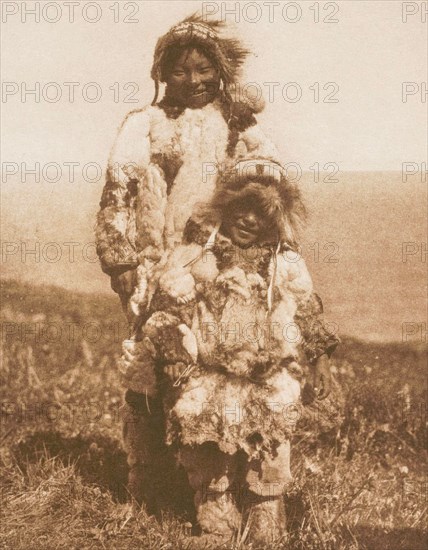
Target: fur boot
(143,442)
(266,521)
(217,514)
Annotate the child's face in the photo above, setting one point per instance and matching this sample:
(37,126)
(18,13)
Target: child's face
(193,80)
(245,224)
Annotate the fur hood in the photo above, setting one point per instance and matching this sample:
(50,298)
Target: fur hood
(228,53)
(280,200)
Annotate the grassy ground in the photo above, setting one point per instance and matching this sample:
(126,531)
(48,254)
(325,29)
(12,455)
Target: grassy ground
(63,469)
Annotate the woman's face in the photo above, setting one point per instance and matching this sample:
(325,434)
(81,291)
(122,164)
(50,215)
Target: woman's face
(246,224)
(193,80)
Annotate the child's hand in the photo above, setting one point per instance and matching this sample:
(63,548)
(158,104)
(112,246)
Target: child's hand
(178,372)
(174,371)
(322,377)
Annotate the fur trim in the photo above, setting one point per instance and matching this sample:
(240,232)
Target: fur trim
(255,145)
(280,201)
(244,392)
(227,407)
(317,339)
(150,213)
(138,301)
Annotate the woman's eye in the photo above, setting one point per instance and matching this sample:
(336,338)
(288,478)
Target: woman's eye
(178,73)
(205,70)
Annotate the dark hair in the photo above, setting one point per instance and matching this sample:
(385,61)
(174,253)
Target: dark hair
(174,52)
(226,54)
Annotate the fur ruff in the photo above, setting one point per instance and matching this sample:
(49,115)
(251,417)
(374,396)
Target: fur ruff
(280,201)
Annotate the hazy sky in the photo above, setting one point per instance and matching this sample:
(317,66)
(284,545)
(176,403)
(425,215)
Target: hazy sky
(367,54)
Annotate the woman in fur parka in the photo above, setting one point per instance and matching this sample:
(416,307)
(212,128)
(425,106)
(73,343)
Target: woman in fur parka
(166,158)
(234,318)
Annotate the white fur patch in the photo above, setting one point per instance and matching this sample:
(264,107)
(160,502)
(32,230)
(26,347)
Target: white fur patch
(201,135)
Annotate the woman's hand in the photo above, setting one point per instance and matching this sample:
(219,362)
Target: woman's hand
(124,283)
(322,377)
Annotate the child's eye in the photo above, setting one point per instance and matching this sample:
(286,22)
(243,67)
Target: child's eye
(205,70)
(178,73)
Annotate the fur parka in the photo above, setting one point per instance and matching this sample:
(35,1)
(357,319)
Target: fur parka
(164,161)
(243,388)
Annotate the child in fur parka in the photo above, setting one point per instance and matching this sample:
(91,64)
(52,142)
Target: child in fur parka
(234,317)
(165,159)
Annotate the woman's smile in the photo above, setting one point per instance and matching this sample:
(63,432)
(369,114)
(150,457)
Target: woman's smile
(194,81)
